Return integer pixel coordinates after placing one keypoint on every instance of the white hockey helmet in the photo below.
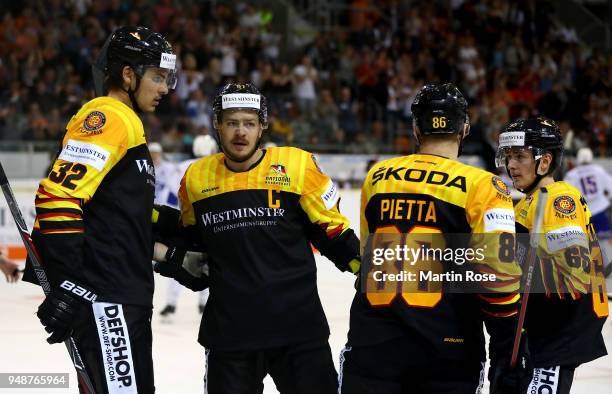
(584, 156)
(204, 145)
(155, 147)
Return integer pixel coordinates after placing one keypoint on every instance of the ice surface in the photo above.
(178, 358)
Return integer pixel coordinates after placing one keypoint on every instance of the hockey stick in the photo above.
(84, 380)
(534, 240)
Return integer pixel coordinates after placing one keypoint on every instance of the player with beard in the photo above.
(256, 212)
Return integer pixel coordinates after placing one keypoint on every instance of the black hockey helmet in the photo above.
(440, 109)
(538, 135)
(240, 96)
(138, 47)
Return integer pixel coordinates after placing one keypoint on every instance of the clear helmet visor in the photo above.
(522, 154)
(169, 77)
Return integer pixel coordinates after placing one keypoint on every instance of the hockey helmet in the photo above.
(584, 156)
(440, 109)
(538, 135)
(204, 145)
(240, 96)
(138, 47)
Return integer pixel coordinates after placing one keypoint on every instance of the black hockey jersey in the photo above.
(256, 227)
(93, 211)
(466, 207)
(568, 304)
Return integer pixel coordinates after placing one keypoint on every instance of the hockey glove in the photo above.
(63, 309)
(508, 380)
(187, 267)
(165, 221)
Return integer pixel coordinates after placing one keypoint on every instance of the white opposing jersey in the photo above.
(594, 183)
(166, 186)
(172, 182)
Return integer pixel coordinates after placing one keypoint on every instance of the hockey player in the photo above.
(596, 186)
(568, 307)
(413, 339)
(93, 218)
(166, 193)
(255, 212)
(165, 176)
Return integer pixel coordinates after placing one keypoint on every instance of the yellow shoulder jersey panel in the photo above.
(96, 139)
(570, 257)
(258, 227)
(470, 189)
(101, 184)
(417, 204)
(564, 207)
(568, 305)
(282, 169)
(433, 194)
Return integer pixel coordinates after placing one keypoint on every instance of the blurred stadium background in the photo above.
(340, 77)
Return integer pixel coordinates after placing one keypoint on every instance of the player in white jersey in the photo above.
(203, 145)
(165, 175)
(595, 184)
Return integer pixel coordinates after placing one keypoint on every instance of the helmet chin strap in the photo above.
(463, 133)
(132, 95)
(461, 138)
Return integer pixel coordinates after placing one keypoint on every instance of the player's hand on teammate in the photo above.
(63, 309)
(187, 267)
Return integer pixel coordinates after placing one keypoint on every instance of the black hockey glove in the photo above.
(63, 309)
(165, 221)
(508, 380)
(187, 267)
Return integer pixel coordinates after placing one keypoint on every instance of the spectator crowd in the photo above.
(349, 90)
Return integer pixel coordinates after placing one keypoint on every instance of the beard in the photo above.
(237, 159)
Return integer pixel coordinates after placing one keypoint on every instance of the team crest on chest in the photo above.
(277, 175)
(565, 205)
(500, 186)
(94, 122)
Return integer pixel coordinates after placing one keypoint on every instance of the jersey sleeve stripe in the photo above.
(503, 299)
(62, 231)
(499, 314)
(573, 291)
(65, 224)
(58, 215)
(58, 205)
(61, 211)
(53, 197)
